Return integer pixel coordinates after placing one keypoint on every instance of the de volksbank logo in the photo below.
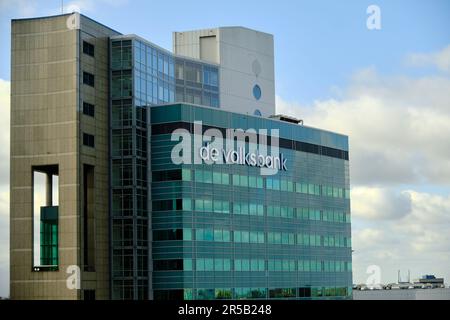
(241, 147)
(244, 158)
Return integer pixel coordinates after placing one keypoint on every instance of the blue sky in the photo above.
(388, 89)
(317, 43)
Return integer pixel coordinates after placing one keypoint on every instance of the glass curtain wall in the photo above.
(142, 75)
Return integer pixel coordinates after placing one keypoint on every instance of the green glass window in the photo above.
(236, 180)
(198, 175)
(254, 265)
(187, 204)
(199, 234)
(217, 178)
(187, 234)
(237, 236)
(329, 191)
(300, 265)
(200, 265)
(218, 264)
(245, 236)
(207, 204)
(277, 237)
(236, 208)
(208, 235)
(290, 212)
(252, 182)
(199, 205)
(225, 207)
(283, 185)
(260, 210)
(335, 192)
(226, 265)
(207, 176)
(253, 237)
(276, 184)
(253, 207)
(49, 236)
(244, 181)
(209, 264)
(310, 188)
(304, 188)
(284, 212)
(259, 182)
(218, 235)
(188, 294)
(290, 186)
(260, 237)
(225, 178)
(187, 264)
(245, 265)
(276, 211)
(226, 236)
(186, 174)
(217, 206)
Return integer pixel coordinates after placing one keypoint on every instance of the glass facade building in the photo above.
(135, 223)
(142, 75)
(225, 231)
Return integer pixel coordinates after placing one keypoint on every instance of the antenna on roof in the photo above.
(62, 6)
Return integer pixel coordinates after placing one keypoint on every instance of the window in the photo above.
(88, 109)
(88, 78)
(49, 236)
(257, 92)
(168, 205)
(169, 175)
(165, 265)
(88, 48)
(172, 234)
(88, 140)
(89, 295)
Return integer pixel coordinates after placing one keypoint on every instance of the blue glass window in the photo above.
(257, 92)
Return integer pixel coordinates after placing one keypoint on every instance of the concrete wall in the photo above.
(403, 294)
(46, 129)
(96, 278)
(246, 58)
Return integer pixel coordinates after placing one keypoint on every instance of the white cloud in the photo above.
(418, 239)
(399, 131)
(4, 136)
(379, 203)
(440, 60)
(86, 6)
(417, 214)
(398, 127)
(4, 187)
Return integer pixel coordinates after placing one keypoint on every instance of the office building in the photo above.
(94, 111)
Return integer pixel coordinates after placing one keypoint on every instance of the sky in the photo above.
(387, 89)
